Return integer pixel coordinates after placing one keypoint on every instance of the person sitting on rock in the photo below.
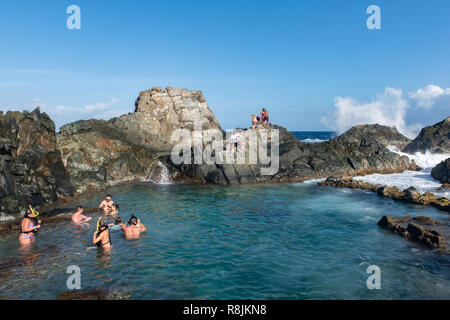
(254, 121)
(133, 228)
(107, 206)
(78, 217)
(30, 225)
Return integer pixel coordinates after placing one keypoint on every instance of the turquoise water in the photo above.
(289, 241)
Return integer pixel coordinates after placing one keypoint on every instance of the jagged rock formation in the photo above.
(411, 194)
(158, 113)
(442, 171)
(360, 150)
(417, 229)
(31, 169)
(97, 155)
(435, 139)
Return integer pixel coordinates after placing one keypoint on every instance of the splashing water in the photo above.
(421, 180)
(424, 160)
(160, 174)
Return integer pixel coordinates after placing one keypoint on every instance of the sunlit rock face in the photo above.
(158, 113)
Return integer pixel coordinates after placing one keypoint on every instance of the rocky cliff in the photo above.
(360, 150)
(31, 168)
(435, 139)
(158, 113)
(97, 155)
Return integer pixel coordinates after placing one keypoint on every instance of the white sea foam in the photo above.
(313, 140)
(421, 180)
(424, 160)
(312, 181)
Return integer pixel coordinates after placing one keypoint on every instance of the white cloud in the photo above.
(85, 110)
(427, 97)
(389, 109)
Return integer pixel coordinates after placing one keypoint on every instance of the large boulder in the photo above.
(158, 113)
(435, 139)
(442, 171)
(97, 155)
(31, 168)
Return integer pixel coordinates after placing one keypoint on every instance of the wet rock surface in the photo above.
(424, 230)
(435, 139)
(410, 194)
(31, 167)
(442, 172)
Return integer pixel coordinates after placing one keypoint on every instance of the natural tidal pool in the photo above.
(286, 241)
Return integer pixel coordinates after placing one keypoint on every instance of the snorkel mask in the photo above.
(35, 213)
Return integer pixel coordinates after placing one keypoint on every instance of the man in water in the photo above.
(30, 225)
(133, 228)
(78, 216)
(107, 206)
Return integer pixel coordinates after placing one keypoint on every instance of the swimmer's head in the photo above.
(133, 220)
(108, 197)
(79, 208)
(118, 220)
(102, 225)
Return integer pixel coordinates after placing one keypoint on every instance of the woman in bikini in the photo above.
(102, 237)
(30, 225)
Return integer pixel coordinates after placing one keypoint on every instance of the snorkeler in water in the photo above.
(133, 228)
(101, 237)
(30, 226)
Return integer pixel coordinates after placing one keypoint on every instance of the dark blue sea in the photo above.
(314, 136)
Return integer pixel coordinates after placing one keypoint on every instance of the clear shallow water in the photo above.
(289, 241)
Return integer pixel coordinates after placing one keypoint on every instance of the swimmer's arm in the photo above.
(96, 239)
(143, 228)
(84, 218)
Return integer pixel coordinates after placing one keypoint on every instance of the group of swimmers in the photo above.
(260, 120)
(132, 229)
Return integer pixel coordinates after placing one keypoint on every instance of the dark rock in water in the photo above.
(31, 168)
(435, 139)
(360, 150)
(442, 171)
(417, 231)
(94, 294)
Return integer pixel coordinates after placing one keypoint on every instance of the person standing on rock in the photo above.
(265, 117)
(78, 216)
(107, 206)
(30, 225)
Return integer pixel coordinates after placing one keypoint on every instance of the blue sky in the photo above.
(314, 64)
